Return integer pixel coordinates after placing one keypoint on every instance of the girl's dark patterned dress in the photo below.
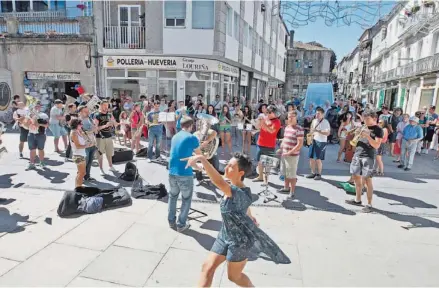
(239, 238)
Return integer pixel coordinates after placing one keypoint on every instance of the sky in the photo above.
(342, 39)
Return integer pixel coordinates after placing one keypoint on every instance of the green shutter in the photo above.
(381, 99)
(402, 98)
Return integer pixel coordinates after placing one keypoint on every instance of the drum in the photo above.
(268, 161)
(248, 127)
(240, 126)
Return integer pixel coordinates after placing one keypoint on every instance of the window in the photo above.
(40, 5)
(175, 13)
(245, 40)
(383, 33)
(281, 35)
(22, 6)
(229, 21)
(203, 14)
(419, 52)
(250, 37)
(261, 43)
(6, 6)
(236, 23)
(257, 50)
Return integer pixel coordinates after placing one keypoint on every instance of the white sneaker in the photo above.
(148, 160)
(102, 172)
(112, 169)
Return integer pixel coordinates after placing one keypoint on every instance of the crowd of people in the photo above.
(279, 130)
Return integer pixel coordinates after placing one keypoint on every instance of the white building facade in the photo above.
(178, 48)
(404, 62)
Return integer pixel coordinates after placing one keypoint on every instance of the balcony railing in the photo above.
(419, 67)
(35, 14)
(124, 37)
(61, 26)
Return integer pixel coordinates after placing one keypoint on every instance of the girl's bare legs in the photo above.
(340, 151)
(243, 141)
(80, 175)
(223, 142)
(208, 269)
(380, 164)
(234, 272)
(229, 142)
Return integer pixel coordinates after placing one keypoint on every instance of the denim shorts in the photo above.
(225, 129)
(36, 141)
(232, 252)
(317, 150)
(265, 151)
(57, 130)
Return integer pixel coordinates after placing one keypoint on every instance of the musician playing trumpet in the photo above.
(20, 116)
(363, 161)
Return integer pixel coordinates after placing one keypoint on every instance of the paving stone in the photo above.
(262, 280)
(87, 282)
(185, 273)
(148, 238)
(123, 266)
(6, 265)
(56, 265)
(22, 245)
(96, 233)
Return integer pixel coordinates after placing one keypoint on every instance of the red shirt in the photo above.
(267, 139)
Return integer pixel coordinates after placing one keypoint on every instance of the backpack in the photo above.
(332, 117)
(131, 173)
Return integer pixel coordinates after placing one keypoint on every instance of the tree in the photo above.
(333, 61)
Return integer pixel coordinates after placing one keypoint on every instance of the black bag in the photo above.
(130, 174)
(149, 192)
(142, 152)
(122, 155)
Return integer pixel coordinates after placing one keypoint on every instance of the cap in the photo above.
(57, 101)
(414, 119)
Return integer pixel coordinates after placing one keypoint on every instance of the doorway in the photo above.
(129, 25)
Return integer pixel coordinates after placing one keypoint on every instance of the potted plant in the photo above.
(416, 8)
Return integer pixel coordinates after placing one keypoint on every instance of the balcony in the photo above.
(419, 67)
(35, 14)
(124, 37)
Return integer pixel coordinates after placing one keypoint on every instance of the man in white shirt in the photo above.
(20, 116)
(320, 129)
(217, 104)
(57, 127)
(37, 135)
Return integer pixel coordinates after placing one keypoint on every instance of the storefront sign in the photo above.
(170, 63)
(272, 84)
(244, 78)
(228, 70)
(53, 76)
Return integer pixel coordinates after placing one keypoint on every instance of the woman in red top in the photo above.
(137, 121)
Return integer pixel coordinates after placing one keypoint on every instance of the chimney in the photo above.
(291, 39)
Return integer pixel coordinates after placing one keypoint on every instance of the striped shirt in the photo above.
(290, 138)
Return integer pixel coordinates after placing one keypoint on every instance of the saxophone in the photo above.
(203, 132)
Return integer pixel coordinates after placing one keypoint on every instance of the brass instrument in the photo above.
(32, 115)
(92, 103)
(357, 134)
(310, 137)
(2, 130)
(202, 134)
(90, 138)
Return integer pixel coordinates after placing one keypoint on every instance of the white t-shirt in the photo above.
(322, 126)
(20, 113)
(43, 116)
(55, 111)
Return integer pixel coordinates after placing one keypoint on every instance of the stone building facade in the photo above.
(306, 63)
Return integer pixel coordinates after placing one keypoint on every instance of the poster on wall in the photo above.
(5, 103)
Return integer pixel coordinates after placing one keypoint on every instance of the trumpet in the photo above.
(357, 134)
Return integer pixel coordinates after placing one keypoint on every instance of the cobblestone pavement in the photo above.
(328, 242)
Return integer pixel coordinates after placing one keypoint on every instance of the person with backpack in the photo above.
(332, 117)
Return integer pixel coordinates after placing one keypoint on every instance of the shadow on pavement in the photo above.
(9, 222)
(213, 225)
(53, 175)
(308, 197)
(205, 240)
(6, 180)
(50, 162)
(415, 221)
(403, 200)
